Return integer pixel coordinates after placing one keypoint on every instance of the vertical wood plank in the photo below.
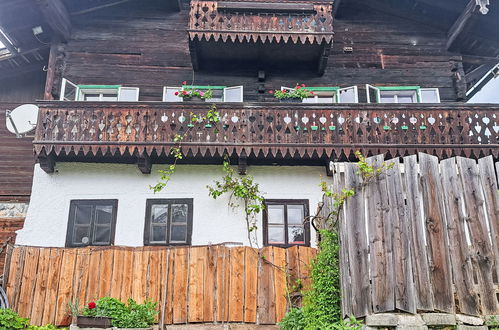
(170, 286)
(209, 284)
(357, 249)
(305, 257)
(405, 299)
(53, 285)
(154, 278)
(280, 283)
(27, 283)
(62, 316)
(138, 276)
(250, 284)
(16, 267)
(197, 262)
(419, 255)
(180, 288)
(440, 270)
(458, 246)
(481, 256)
(93, 275)
(80, 280)
(223, 278)
(117, 273)
(236, 293)
(163, 293)
(266, 290)
(346, 286)
(126, 288)
(106, 272)
(489, 183)
(40, 288)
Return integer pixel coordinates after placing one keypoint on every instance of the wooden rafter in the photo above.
(463, 24)
(56, 16)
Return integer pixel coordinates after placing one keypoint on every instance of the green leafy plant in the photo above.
(492, 322)
(370, 172)
(241, 189)
(189, 92)
(11, 320)
(131, 315)
(299, 92)
(294, 320)
(44, 327)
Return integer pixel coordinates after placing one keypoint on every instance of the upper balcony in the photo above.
(266, 35)
(260, 133)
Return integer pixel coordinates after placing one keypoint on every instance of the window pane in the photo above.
(109, 97)
(102, 235)
(405, 99)
(275, 213)
(387, 99)
(128, 94)
(276, 234)
(312, 99)
(295, 214)
(83, 214)
(325, 100)
(159, 213)
(103, 214)
(179, 212)
(429, 95)
(158, 234)
(296, 235)
(91, 97)
(81, 235)
(178, 234)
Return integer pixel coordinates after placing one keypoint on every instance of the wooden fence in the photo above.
(421, 237)
(196, 284)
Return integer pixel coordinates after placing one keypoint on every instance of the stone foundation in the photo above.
(401, 321)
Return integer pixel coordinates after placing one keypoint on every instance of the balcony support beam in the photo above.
(57, 17)
(47, 162)
(144, 163)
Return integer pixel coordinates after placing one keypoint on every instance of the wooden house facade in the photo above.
(388, 77)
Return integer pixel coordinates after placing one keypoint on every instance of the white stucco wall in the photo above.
(213, 221)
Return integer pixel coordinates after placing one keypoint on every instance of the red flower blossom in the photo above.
(298, 87)
(176, 93)
(271, 92)
(311, 92)
(184, 82)
(184, 93)
(91, 305)
(284, 90)
(302, 85)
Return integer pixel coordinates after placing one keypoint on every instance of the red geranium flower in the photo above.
(271, 92)
(176, 93)
(284, 90)
(302, 85)
(311, 92)
(184, 93)
(91, 305)
(184, 82)
(298, 87)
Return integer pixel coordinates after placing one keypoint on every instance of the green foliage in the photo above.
(44, 327)
(299, 92)
(132, 315)
(243, 189)
(493, 323)
(11, 320)
(190, 92)
(369, 172)
(294, 320)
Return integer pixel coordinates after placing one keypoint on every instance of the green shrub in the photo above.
(11, 320)
(45, 327)
(294, 320)
(132, 315)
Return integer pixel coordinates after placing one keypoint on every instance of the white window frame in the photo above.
(174, 89)
(355, 90)
(80, 92)
(101, 92)
(223, 99)
(241, 95)
(63, 90)
(436, 90)
(377, 91)
(136, 96)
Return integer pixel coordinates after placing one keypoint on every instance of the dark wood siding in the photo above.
(147, 47)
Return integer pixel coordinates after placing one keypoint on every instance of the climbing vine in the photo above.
(322, 303)
(242, 189)
(211, 118)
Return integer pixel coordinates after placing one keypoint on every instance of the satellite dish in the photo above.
(22, 119)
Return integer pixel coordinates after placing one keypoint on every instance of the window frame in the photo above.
(286, 202)
(94, 202)
(379, 89)
(147, 223)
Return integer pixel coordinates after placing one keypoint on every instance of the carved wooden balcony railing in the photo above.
(269, 131)
(310, 21)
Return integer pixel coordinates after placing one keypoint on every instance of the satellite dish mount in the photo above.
(22, 119)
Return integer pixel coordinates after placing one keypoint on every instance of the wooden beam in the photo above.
(336, 6)
(89, 10)
(462, 25)
(10, 47)
(49, 82)
(321, 66)
(144, 163)
(56, 16)
(242, 164)
(47, 162)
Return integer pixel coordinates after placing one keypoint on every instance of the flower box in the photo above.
(196, 99)
(93, 322)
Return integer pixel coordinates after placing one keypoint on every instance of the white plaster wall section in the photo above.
(213, 221)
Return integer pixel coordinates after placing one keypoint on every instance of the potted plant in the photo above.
(90, 318)
(193, 95)
(295, 95)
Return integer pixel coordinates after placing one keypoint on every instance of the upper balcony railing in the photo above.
(267, 130)
(264, 21)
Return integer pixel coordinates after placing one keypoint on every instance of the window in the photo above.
(402, 94)
(284, 223)
(91, 222)
(168, 222)
(220, 93)
(97, 93)
(330, 95)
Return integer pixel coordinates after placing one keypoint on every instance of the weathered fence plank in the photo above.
(440, 270)
(250, 285)
(405, 299)
(180, 288)
(380, 240)
(458, 247)
(481, 256)
(419, 255)
(490, 189)
(266, 293)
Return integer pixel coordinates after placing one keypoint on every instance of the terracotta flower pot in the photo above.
(93, 322)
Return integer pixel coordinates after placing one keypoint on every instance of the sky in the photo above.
(488, 94)
(1, 45)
